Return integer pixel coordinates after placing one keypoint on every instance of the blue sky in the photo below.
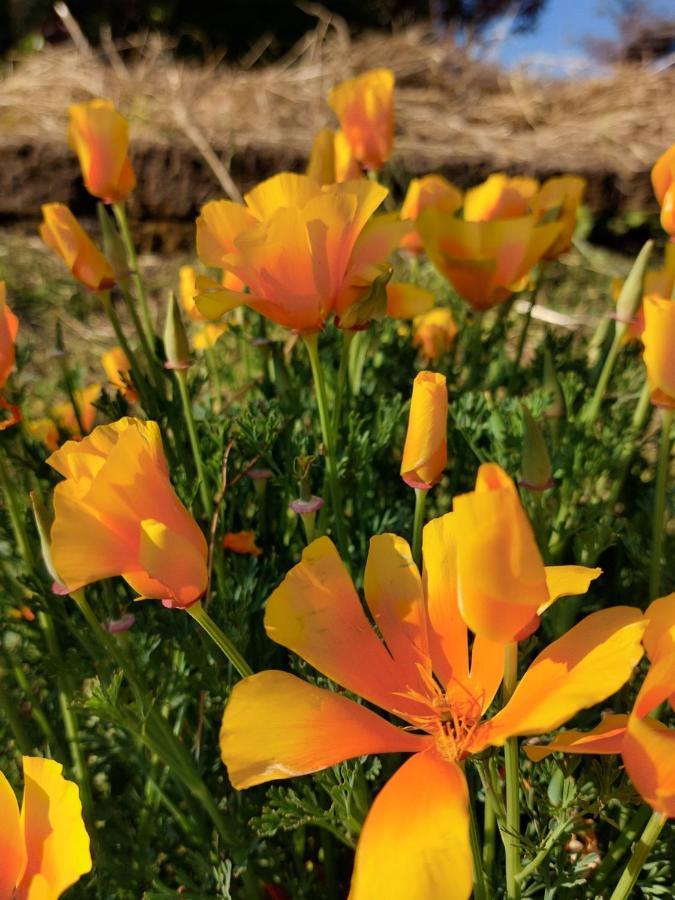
(556, 43)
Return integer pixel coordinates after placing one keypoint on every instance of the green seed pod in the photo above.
(176, 344)
(536, 463)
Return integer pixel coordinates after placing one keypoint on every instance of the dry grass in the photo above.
(449, 108)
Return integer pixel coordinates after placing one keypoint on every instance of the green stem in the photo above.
(479, 889)
(312, 345)
(528, 318)
(16, 519)
(512, 843)
(219, 637)
(13, 721)
(70, 390)
(643, 848)
(489, 835)
(214, 375)
(123, 223)
(146, 346)
(36, 710)
(616, 852)
(418, 524)
(591, 412)
(207, 500)
(662, 467)
(347, 338)
(549, 843)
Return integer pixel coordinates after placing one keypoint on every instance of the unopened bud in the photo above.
(630, 297)
(176, 344)
(43, 523)
(536, 463)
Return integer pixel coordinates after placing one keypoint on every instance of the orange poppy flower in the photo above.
(331, 158)
(425, 452)
(241, 542)
(118, 370)
(658, 338)
(100, 137)
(503, 583)
(435, 332)
(118, 514)
(415, 839)
(365, 109)
(65, 417)
(646, 745)
(9, 328)
(428, 192)
(207, 336)
(485, 261)
(559, 199)
(44, 430)
(62, 233)
(44, 849)
(304, 251)
(663, 182)
(500, 197)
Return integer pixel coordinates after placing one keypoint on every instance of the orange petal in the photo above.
(321, 164)
(501, 575)
(61, 232)
(57, 842)
(415, 841)
(605, 738)
(12, 849)
(658, 338)
(448, 637)
(406, 301)
(487, 669)
(659, 684)
(585, 666)
(663, 173)
(393, 590)
(174, 561)
(649, 757)
(277, 726)
(659, 638)
(500, 197)
(100, 137)
(567, 581)
(219, 224)
(364, 106)
(425, 452)
(316, 613)
(285, 190)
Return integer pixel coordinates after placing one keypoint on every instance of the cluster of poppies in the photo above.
(441, 625)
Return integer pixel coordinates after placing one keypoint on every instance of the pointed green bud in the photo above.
(113, 247)
(536, 463)
(176, 344)
(43, 521)
(556, 408)
(630, 297)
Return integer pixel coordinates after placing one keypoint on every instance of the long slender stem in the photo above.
(642, 850)
(528, 318)
(146, 345)
(512, 843)
(489, 835)
(347, 338)
(15, 517)
(207, 499)
(591, 412)
(662, 467)
(12, 719)
(418, 523)
(312, 345)
(479, 889)
(615, 853)
(219, 637)
(123, 223)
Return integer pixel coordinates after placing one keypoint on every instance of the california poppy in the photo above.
(365, 109)
(61, 232)
(100, 137)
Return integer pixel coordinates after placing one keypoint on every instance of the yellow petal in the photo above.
(12, 849)
(567, 581)
(658, 338)
(316, 613)
(425, 452)
(415, 841)
(659, 638)
(277, 726)
(100, 137)
(173, 560)
(585, 666)
(406, 301)
(57, 842)
(605, 738)
(364, 106)
(393, 590)
(649, 757)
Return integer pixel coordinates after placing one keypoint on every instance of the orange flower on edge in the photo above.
(646, 745)
(365, 109)
(504, 586)
(100, 137)
(435, 332)
(304, 251)
(44, 849)
(425, 452)
(658, 338)
(117, 513)
(9, 328)
(560, 198)
(428, 192)
(331, 158)
(663, 182)
(241, 542)
(63, 234)
(118, 369)
(500, 197)
(415, 841)
(485, 261)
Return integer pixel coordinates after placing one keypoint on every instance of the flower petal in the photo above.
(406, 301)
(649, 757)
(605, 738)
(415, 840)
(57, 842)
(448, 636)
(278, 726)
(567, 581)
(659, 638)
(393, 590)
(316, 613)
(12, 849)
(585, 666)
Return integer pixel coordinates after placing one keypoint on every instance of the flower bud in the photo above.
(176, 344)
(632, 291)
(425, 452)
(536, 462)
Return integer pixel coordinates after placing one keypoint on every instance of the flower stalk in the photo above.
(120, 213)
(512, 831)
(219, 638)
(207, 500)
(643, 848)
(661, 485)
